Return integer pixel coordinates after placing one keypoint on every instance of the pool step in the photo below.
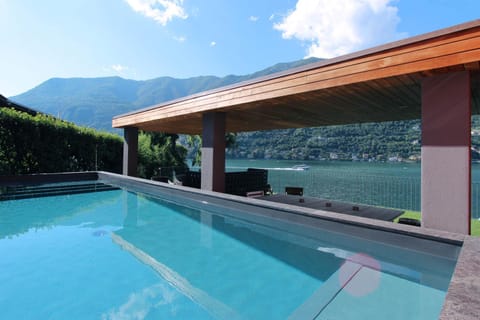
(25, 192)
(47, 188)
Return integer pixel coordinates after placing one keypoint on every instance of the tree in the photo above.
(194, 142)
(159, 154)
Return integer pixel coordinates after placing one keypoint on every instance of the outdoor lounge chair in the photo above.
(160, 179)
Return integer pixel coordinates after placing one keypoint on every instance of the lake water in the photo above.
(395, 185)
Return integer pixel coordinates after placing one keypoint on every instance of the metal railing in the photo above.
(476, 200)
(387, 191)
(401, 192)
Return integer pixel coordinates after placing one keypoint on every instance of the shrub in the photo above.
(42, 143)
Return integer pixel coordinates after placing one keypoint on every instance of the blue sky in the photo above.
(145, 39)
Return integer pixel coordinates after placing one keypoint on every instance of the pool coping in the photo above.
(463, 296)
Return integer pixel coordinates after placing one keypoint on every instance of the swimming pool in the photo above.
(139, 251)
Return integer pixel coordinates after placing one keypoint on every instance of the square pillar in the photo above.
(446, 182)
(130, 151)
(213, 152)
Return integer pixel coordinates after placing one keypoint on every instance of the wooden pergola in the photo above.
(435, 77)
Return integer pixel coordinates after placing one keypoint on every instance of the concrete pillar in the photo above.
(213, 152)
(130, 151)
(446, 183)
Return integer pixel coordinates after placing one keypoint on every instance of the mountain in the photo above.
(93, 102)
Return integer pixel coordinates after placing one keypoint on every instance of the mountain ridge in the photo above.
(93, 102)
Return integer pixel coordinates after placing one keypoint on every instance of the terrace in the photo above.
(434, 77)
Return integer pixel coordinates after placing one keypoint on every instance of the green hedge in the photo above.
(41, 143)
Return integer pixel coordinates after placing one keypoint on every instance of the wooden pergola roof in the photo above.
(379, 84)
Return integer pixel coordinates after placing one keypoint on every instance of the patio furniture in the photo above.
(410, 222)
(160, 178)
(255, 194)
(237, 183)
(296, 191)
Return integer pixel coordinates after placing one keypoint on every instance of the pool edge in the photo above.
(463, 295)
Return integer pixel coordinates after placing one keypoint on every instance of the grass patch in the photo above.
(475, 229)
(410, 215)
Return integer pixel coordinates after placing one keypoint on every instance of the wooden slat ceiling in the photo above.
(380, 84)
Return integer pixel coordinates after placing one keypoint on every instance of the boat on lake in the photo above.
(301, 167)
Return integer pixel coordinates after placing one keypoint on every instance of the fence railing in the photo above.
(394, 192)
(401, 192)
(476, 200)
(379, 190)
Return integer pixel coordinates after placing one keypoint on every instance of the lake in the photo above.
(395, 185)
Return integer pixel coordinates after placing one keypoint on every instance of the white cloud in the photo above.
(118, 67)
(253, 18)
(333, 28)
(213, 44)
(161, 11)
(148, 301)
(180, 39)
(272, 16)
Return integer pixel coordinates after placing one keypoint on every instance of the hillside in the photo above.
(94, 101)
(392, 141)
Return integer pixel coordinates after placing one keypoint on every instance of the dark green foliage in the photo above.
(230, 140)
(378, 141)
(159, 150)
(194, 144)
(41, 143)
(371, 140)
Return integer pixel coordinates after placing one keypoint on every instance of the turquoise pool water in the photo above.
(122, 255)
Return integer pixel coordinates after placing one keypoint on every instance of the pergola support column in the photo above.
(130, 151)
(446, 182)
(213, 152)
